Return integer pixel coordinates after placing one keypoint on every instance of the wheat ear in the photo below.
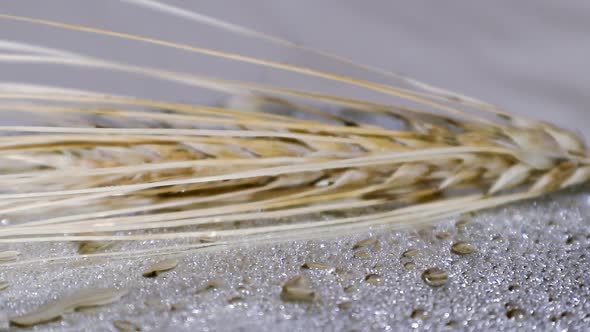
(102, 167)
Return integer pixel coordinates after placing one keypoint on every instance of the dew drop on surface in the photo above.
(461, 224)
(513, 288)
(349, 289)
(362, 254)
(435, 277)
(125, 326)
(452, 323)
(442, 235)
(235, 300)
(373, 279)
(409, 265)
(419, 313)
(344, 305)
(515, 313)
(407, 262)
(370, 242)
(463, 248)
(317, 266)
(410, 253)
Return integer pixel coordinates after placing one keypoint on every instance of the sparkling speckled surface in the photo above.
(531, 264)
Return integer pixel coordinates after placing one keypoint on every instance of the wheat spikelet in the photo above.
(103, 167)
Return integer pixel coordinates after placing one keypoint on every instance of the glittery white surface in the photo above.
(531, 258)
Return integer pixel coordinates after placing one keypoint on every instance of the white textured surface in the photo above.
(532, 256)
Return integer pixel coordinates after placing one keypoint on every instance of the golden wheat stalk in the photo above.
(104, 167)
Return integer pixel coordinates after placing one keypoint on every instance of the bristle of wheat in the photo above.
(103, 167)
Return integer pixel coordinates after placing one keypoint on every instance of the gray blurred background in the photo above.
(529, 56)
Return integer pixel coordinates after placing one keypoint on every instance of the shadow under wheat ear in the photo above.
(108, 168)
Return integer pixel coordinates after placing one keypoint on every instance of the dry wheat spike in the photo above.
(104, 168)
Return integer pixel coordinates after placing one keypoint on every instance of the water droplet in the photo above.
(349, 289)
(211, 285)
(297, 289)
(181, 305)
(373, 279)
(361, 254)
(370, 242)
(461, 224)
(317, 266)
(571, 239)
(235, 300)
(463, 248)
(515, 313)
(125, 326)
(435, 277)
(409, 265)
(407, 262)
(378, 266)
(344, 305)
(419, 313)
(411, 253)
